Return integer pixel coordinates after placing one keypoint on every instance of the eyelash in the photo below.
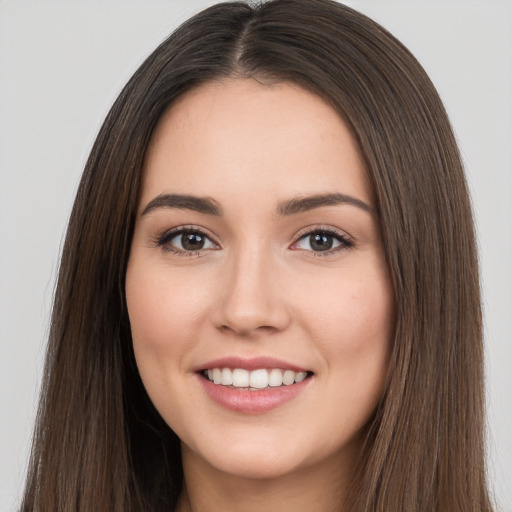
(345, 242)
(163, 241)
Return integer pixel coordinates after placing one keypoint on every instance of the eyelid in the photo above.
(322, 228)
(162, 239)
(346, 241)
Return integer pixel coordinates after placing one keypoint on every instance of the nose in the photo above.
(252, 299)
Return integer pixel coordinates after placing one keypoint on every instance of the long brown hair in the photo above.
(100, 445)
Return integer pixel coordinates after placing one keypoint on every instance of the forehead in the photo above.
(239, 135)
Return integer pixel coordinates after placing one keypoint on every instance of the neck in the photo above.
(311, 489)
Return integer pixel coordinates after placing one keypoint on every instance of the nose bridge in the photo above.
(251, 297)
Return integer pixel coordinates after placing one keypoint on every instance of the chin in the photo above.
(257, 461)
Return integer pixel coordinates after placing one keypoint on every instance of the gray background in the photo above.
(62, 63)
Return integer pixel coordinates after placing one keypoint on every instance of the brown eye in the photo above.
(322, 241)
(185, 240)
(192, 241)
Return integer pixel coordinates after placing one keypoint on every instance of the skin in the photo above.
(259, 289)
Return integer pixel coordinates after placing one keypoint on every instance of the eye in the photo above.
(325, 241)
(185, 240)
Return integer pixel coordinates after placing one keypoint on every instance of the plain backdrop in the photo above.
(62, 63)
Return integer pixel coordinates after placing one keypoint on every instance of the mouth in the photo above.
(253, 386)
(254, 380)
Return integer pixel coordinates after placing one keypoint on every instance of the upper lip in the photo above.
(254, 363)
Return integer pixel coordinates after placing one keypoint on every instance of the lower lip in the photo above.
(252, 402)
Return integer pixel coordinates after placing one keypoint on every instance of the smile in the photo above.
(253, 386)
(254, 380)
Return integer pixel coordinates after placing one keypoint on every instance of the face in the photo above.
(257, 287)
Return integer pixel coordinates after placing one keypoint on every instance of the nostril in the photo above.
(246, 331)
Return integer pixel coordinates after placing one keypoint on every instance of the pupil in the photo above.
(192, 241)
(321, 242)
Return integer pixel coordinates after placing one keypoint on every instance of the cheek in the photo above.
(166, 312)
(358, 311)
(352, 325)
(162, 307)
(355, 337)
(165, 315)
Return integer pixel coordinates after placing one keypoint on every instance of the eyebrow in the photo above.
(290, 207)
(304, 204)
(184, 202)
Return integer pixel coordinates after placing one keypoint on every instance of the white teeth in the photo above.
(288, 377)
(226, 378)
(300, 376)
(240, 378)
(256, 379)
(275, 378)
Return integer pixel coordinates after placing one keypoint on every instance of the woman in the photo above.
(273, 227)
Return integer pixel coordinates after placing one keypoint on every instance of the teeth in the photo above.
(300, 376)
(226, 377)
(240, 378)
(256, 379)
(288, 377)
(275, 378)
